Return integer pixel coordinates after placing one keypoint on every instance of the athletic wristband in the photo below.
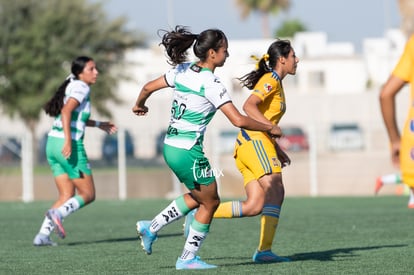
(97, 123)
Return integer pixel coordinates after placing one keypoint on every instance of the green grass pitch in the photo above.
(358, 235)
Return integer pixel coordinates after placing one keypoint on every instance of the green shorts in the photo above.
(75, 166)
(190, 166)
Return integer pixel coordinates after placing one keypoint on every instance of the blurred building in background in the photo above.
(333, 84)
(332, 101)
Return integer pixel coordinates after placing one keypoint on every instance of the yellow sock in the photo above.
(268, 225)
(229, 209)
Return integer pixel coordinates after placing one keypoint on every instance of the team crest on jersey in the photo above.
(267, 87)
(275, 162)
(412, 125)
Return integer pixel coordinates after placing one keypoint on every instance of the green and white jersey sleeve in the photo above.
(80, 91)
(198, 93)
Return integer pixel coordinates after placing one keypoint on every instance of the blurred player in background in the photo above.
(402, 146)
(71, 108)
(393, 179)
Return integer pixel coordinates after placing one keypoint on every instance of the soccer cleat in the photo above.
(188, 220)
(268, 256)
(378, 185)
(194, 263)
(54, 216)
(43, 240)
(147, 238)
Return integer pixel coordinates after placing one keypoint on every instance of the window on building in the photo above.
(316, 79)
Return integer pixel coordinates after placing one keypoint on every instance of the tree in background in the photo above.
(264, 8)
(39, 39)
(290, 27)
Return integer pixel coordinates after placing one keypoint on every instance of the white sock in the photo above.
(391, 179)
(47, 227)
(168, 215)
(411, 200)
(193, 243)
(70, 206)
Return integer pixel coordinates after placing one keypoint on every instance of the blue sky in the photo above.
(343, 20)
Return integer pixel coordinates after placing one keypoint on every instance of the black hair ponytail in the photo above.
(55, 104)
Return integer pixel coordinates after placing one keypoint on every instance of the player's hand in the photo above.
(275, 131)
(67, 149)
(140, 110)
(108, 127)
(282, 156)
(395, 154)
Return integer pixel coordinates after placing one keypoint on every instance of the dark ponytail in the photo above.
(266, 64)
(179, 40)
(55, 104)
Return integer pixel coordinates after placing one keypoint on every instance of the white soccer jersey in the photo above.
(198, 93)
(78, 90)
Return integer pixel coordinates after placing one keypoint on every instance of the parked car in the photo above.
(293, 139)
(346, 136)
(42, 148)
(159, 142)
(10, 149)
(110, 146)
(228, 140)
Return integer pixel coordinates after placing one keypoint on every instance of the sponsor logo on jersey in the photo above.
(224, 91)
(195, 68)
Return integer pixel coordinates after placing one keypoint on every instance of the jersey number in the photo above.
(177, 110)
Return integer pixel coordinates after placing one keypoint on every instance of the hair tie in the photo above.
(255, 58)
(71, 77)
(265, 57)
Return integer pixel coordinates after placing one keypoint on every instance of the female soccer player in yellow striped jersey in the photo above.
(258, 156)
(402, 147)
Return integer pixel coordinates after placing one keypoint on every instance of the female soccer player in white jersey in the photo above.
(197, 95)
(65, 152)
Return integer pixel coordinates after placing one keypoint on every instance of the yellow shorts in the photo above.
(407, 154)
(256, 158)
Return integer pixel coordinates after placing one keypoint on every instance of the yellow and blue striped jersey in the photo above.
(270, 90)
